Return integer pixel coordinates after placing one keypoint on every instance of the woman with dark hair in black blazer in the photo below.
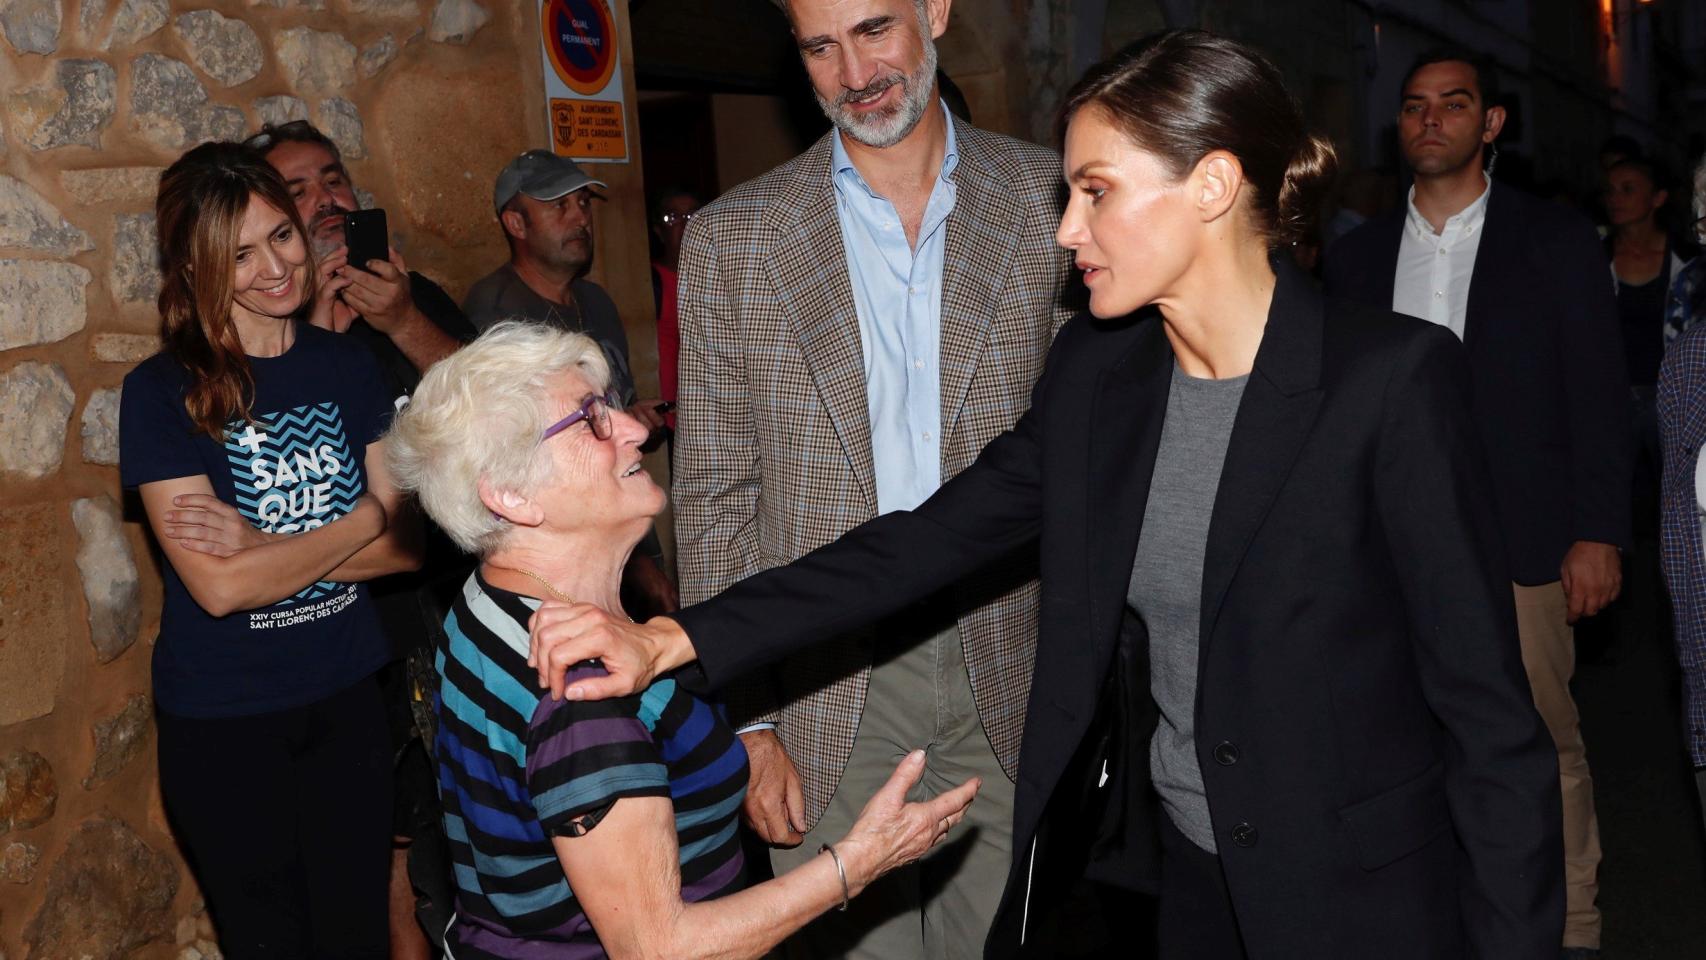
(1278, 680)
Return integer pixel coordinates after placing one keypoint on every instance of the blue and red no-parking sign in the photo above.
(580, 40)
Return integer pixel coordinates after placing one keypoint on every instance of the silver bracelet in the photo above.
(840, 870)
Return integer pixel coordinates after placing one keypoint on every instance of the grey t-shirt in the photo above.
(1166, 583)
(502, 295)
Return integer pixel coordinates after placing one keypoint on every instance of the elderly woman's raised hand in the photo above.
(891, 832)
(634, 654)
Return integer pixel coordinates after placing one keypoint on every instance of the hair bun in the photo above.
(1304, 189)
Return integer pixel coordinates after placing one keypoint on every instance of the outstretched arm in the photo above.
(876, 569)
(626, 874)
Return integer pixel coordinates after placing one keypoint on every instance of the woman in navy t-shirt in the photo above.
(253, 441)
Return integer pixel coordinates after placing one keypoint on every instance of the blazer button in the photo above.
(1226, 753)
(1244, 835)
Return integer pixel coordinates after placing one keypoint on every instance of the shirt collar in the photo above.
(1469, 218)
(844, 170)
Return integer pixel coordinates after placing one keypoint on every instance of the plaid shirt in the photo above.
(1682, 429)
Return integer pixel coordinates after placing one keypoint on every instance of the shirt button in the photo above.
(926, 436)
(917, 364)
(1438, 294)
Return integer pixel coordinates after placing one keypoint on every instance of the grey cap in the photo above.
(541, 175)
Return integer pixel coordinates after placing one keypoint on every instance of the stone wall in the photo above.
(428, 99)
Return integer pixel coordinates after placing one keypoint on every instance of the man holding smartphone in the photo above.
(409, 321)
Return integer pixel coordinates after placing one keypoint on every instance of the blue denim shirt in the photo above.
(897, 292)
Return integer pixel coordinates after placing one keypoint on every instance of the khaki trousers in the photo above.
(1549, 655)
(942, 906)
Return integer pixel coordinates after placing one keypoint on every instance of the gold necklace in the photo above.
(558, 594)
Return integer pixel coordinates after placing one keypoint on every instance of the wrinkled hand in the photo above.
(381, 297)
(634, 654)
(774, 808)
(207, 524)
(1593, 577)
(330, 310)
(891, 832)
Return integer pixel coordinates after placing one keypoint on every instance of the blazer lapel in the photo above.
(1125, 432)
(1274, 418)
(808, 272)
(982, 239)
(1493, 259)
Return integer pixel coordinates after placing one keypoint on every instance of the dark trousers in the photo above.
(1196, 919)
(286, 818)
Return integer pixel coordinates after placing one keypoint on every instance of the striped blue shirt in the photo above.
(517, 768)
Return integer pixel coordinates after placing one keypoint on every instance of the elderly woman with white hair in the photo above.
(1681, 405)
(607, 828)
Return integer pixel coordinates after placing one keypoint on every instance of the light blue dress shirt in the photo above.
(898, 294)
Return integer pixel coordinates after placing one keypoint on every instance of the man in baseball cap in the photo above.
(544, 204)
(542, 175)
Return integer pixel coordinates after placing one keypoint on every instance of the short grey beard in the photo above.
(887, 131)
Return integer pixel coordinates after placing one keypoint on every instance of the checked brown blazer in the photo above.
(773, 446)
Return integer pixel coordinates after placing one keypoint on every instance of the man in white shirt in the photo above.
(1522, 283)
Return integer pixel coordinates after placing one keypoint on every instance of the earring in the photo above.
(1492, 157)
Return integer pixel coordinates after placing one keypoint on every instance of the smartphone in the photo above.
(366, 237)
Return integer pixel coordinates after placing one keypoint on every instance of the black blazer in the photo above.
(1379, 781)
(1546, 358)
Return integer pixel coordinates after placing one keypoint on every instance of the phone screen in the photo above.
(366, 237)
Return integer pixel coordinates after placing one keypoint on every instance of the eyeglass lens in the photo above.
(598, 414)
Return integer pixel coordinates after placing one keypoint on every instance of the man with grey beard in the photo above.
(855, 326)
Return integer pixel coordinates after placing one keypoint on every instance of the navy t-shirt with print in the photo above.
(296, 465)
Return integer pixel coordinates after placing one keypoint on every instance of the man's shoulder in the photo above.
(1026, 164)
(1362, 237)
(1541, 219)
(438, 306)
(752, 199)
(1690, 345)
(592, 296)
(488, 286)
(500, 295)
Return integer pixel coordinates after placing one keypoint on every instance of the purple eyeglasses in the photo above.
(595, 411)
